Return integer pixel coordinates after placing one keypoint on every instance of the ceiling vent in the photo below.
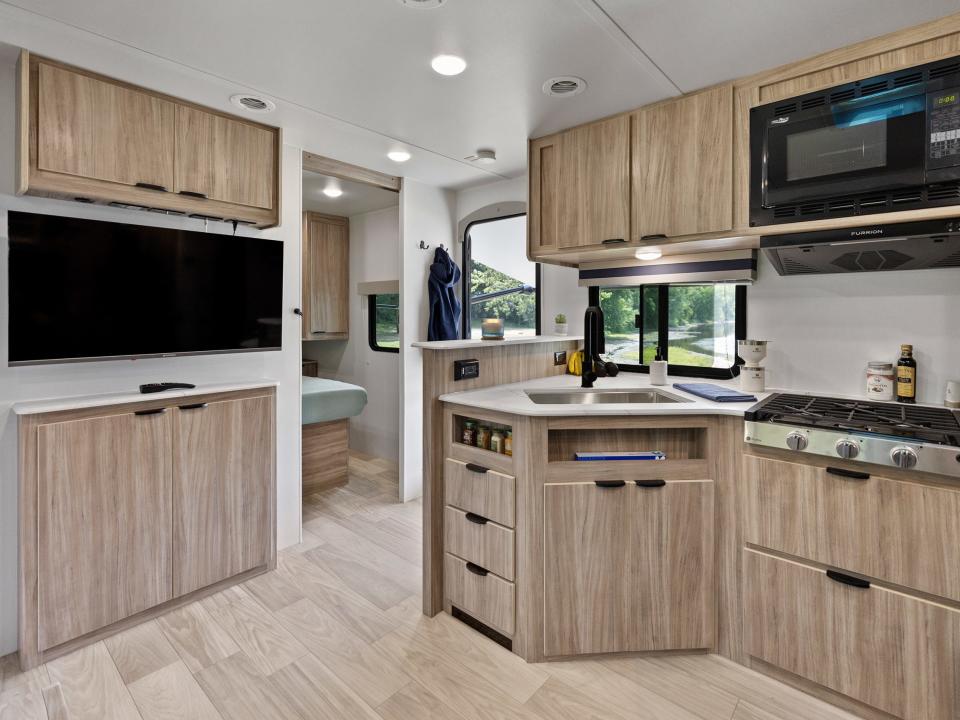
(252, 103)
(566, 86)
(422, 4)
(483, 157)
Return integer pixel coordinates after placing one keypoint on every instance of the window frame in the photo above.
(466, 261)
(372, 323)
(663, 330)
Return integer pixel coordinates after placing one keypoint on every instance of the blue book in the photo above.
(716, 393)
(636, 455)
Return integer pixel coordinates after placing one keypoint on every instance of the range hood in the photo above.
(873, 248)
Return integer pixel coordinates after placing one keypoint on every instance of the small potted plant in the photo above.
(560, 324)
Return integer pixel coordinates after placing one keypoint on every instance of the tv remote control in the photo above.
(161, 386)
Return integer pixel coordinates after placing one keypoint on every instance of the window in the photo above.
(697, 326)
(384, 330)
(498, 279)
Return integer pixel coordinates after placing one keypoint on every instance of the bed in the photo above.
(327, 406)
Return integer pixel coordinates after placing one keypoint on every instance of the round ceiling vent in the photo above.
(566, 86)
(422, 4)
(252, 103)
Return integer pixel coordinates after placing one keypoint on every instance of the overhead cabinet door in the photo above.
(100, 130)
(104, 517)
(326, 275)
(223, 159)
(683, 165)
(594, 184)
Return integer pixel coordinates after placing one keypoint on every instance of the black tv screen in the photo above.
(82, 289)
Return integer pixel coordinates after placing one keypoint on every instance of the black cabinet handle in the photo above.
(651, 483)
(609, 483)
(477, 570)
(151, 186)
(653, 236)
(191, 193)
(195, 406)
(155, 411)
(473, 467)
(477, 519)
(848, 579)
(852, 474)
(612, 241)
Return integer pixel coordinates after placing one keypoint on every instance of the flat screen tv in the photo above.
(88, 289)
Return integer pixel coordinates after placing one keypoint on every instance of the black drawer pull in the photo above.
(609, 483)
(651, 483)
(852, 474)
(477, 570)
(848, 579)
(155, 411)
(612, 241)
(195, 406)
(191, 193)
(151, 186)
(653, 236)
(477, 519)
(473, 467)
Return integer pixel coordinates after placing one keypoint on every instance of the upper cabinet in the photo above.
(87, 137)
(326, 276)
(683, 166)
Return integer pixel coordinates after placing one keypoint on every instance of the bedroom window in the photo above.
(384, 328)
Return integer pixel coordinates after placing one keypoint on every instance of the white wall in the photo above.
(559, 291)
(374, 255)
(427, 214)
(824, 329)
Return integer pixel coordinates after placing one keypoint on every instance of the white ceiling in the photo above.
(357, 197)
(366, 62)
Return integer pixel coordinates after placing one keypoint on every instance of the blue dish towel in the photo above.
(715, 392)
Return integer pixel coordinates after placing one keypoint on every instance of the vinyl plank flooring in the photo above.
(394, 537)
(318, 694)
(415, 702)
(383, 578)
(746, 711)
(92, 686)
(260, 636)
(197, 638)
(224, 598)
(240, 692)
(141, 650)
(559, 701)
(172, 693)
(22, 703)
(369, 672)
(55, 703)
(273, 590)
(13, 677)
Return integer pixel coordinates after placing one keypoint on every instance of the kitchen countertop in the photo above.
(512, 399)
(524, 340)
(35, 407)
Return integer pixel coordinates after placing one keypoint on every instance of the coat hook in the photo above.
(424, 246)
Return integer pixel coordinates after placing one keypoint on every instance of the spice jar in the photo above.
(496, 441)
(881, 380)
(469, 435)
(508, 443)
(483, 437)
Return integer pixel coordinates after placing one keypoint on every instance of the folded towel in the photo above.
(715, 392)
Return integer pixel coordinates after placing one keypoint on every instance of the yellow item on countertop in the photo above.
(575, 363)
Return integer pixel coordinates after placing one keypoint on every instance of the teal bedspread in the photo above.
(325, 400)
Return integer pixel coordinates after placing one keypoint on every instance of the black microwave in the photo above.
(887, 143)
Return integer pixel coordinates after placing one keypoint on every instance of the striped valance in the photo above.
(738, 266)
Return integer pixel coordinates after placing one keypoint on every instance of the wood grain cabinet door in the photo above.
(104, 511)
(586, 562)
(683, 165)
(326, 275)
(594, 184)
(105, 131)
(222, 490)
(542, 228)
(224, 159)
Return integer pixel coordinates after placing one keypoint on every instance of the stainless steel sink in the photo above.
(602, 397)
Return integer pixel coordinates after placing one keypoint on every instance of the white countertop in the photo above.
(527, 339)
(512, 399)
(35, 407)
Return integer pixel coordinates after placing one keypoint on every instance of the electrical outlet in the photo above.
(560, 357)
(466, 369)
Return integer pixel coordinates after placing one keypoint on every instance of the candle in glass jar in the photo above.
(492, 329)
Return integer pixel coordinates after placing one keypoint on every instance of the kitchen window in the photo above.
(384, 323)
(498, 279)
(697, 326)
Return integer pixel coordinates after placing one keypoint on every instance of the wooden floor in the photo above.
(336, 632)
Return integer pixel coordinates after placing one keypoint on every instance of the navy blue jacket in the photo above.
(444, 303)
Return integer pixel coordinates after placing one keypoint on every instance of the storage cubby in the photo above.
(675, 443)
(460, 420)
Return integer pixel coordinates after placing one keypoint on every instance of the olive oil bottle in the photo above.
(906, 375)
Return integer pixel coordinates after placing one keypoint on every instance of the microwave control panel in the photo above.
(943, 123)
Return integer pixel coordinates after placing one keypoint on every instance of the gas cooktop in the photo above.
(894, 434)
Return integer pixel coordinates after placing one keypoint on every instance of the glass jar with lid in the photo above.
(881, 380)
(496, 441)
(469, 434)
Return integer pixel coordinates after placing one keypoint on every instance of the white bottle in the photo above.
(658, 370)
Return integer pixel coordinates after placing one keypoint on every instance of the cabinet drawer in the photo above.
(886, 649)
(898, 531)
(488, 598)
(477, 489)
(478, 540)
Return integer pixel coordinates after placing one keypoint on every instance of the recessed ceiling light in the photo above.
(448, 64)
(564, 86)
(398, 155)
(253, 103)
(332, 191)
(648, 253)
(483, 157)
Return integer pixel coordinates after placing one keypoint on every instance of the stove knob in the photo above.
(797, 441)
(847, 449)
(904, 457)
